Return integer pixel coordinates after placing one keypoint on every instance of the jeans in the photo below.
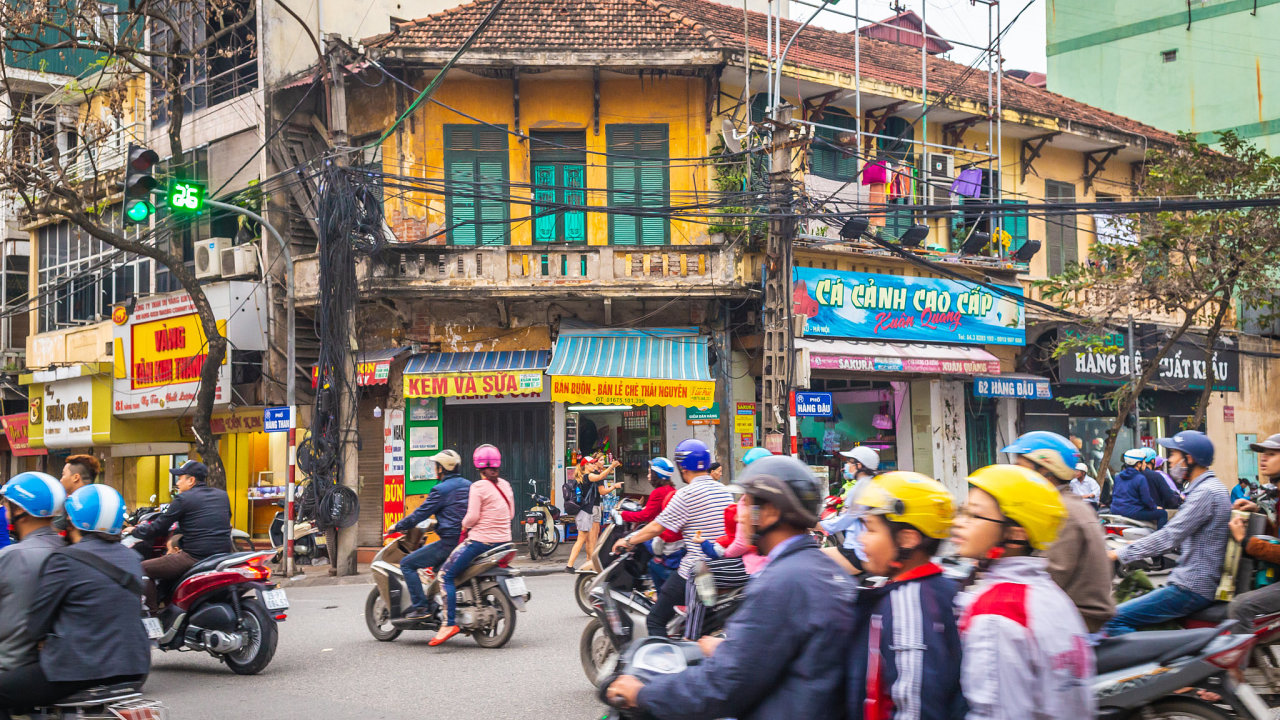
(1157, 516)
(457, 563)
(1263, 601)
(671, 595)
(1167, 603)
(427, 556)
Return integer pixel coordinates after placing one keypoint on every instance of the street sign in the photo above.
(703, 416)
(1027, 388)
(813, 404)
(278, 419)
(185, 195)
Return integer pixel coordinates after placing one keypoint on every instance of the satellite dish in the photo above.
(730, 134)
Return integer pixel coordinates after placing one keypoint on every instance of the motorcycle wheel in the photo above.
(260, 642)
(546, 540)
(580, 593)
(505, 627)
(1182, 710)
(599, 658)
(377, 617)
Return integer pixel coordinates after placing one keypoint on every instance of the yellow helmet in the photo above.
(1025, 497)
(910, 498)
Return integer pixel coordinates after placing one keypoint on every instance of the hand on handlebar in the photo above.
(624, 692)
(1243, 504)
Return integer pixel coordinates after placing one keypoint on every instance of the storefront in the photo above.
(899, 356)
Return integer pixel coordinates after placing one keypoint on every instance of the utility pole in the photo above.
(779, 342)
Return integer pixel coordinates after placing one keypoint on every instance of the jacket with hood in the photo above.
(1026, 651)
(447, 501)
(1132, 493)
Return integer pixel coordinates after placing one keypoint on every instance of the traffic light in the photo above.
(138, 184)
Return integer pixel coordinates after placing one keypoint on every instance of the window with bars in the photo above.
(826, 159)
(477, 168)
(1060, 230)
(559, 165)
(225, 68)
(639, 178)
(79, 278)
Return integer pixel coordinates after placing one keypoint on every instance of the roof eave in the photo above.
(639, 58)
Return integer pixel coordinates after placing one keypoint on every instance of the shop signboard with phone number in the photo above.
(632, 391)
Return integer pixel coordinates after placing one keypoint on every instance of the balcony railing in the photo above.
(105, 153)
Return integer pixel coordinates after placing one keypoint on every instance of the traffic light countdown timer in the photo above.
(185, 196)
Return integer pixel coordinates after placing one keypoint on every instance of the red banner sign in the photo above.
(15, 429)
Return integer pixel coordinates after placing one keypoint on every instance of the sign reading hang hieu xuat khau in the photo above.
(893, 307)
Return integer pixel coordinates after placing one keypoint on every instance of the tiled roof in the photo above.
(584, 25)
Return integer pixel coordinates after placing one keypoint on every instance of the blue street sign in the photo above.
(813, 404)
(1027, 388)
(277, 419)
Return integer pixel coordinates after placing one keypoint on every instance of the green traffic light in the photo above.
(139, 210)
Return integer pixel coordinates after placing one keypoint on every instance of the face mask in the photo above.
(1178, 472)
(848, 473)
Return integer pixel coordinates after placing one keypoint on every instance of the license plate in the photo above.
(275, 599)
(1249, 698)
(153, 627)
(515, 586)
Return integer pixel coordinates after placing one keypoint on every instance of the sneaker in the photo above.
(418, 613)
(569, 569)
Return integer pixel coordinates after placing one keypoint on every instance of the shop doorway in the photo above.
(980, 432)
(521, 431)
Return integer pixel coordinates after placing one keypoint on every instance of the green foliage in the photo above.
(732, 177)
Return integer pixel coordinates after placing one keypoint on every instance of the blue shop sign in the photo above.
(278, 419)
(813, 404)
(894, 307)
(1027, 388)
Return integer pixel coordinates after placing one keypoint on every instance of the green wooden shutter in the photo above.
(1014, 222)
(639, 177)
(494, 226)
(461, 211)
(544, 191)
(623, 183)
(898, 221)
(476, 184)
(575, 222)
(652, 180)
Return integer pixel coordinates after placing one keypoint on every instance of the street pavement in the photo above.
(327, 665)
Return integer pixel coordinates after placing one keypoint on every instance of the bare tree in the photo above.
(160, 45)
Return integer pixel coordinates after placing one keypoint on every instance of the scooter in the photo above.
(540, 525)
(241, 541)
(646, 659)
(613, 531)
(122, 700)
(309, 546)
(489, 593)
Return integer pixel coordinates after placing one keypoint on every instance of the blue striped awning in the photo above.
(650, 353)
(461, 362)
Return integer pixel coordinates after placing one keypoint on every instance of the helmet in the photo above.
(39, 494)
(1193, 443)
(447, 459)
(1134, 456)
(1025, 498)
(755, 454)
(1149, 454)
(1157, 461)
(911, 498)
(1271, 443)
(869, 458)
(1048, 450)
(693, 455)
(96, 508)
(662, 467)
(486, 456)
(787, 484)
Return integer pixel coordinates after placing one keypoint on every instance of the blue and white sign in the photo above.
(813, 404)
(278, 419)
(1027, 388)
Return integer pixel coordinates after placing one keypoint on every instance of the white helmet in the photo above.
(869, 458)
(1135, 456)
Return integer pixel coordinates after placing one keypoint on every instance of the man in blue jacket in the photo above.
(784, 652)
(447, 501)
(1132, 497)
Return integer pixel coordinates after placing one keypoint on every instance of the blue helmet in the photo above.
(755, 454)
(96, 508)
(662, 467)
(1193, 443)
(1049, 450)
(693, 455)
(1149, 454)
(39, 494)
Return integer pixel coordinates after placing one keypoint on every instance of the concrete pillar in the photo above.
(937, 407)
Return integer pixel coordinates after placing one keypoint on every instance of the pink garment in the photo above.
(876, 173)
(489, 512)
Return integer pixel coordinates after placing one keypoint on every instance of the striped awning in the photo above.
(650, 366)
(471, 374)
(373, 367)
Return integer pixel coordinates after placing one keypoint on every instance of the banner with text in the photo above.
(1184, 367)
(496, 382)
(632, 391)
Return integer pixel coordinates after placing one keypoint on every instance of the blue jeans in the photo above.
(1159, 517)
(427, 556)
(457, 563)
(1168, 603)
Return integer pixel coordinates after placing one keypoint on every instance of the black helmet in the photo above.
(787, 484)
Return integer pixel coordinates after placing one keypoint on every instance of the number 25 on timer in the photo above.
(186, 195)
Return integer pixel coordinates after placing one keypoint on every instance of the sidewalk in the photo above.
(318, 575)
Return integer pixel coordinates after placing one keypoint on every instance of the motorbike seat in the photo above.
(212, 562)
(102, 695)
(1135, 648)
(1215, 614)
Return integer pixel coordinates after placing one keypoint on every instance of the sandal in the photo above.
(442, 639)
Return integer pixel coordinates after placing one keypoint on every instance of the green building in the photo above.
(1199, 65)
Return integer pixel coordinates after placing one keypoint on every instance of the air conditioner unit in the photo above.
(209, 257)
(240, 260)
(940, 171)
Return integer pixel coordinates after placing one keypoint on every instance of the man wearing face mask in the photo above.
(861, 465)
(1265, 599)
(1200, 528)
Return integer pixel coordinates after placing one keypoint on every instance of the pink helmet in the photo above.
(486, 456)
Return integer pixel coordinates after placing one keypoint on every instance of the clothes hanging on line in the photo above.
(875, 173)
(969, 183)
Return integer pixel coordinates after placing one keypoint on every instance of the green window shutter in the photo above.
(461, 205)
(623, 183)
(494, 226)
(544, 191)
(575, 221)
(638, 177)
(1014, 222)
(898, 221)
(476, 164)
(652, 176)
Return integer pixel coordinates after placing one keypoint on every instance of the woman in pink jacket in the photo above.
(490, 507)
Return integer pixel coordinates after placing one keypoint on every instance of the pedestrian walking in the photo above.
(589, 477)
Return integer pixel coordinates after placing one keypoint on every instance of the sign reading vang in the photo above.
(278, 419)
(813, 404)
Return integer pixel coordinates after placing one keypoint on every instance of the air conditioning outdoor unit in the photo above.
(240, 260)
(940, 171)
(209, 257)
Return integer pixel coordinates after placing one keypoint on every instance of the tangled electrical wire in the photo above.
(349, 210)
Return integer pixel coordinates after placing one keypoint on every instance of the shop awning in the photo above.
(373, 367)
(863, 356)
(463, 374)
(651, 366)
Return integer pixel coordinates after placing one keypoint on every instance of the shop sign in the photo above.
(1228, 413)
(368, 372)
(497, 382)
(68, 413)
(744, 418)
(842, 304)
(1006, 387)
(903, 365)
(632, 391)
(16, 429)
(703, 416)
(392, 468)
(1184, 367)
(229, 422)
(278, 419)
(813, 404)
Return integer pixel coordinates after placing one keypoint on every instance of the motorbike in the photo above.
(489, 593)
(613, 531)
(1146, 674)
(646, 659)
(1121, 531)
(122, 700)
(540, 525)
(241, 541)
(309, 545)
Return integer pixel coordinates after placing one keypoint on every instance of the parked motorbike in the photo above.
(540, 525)
(489, 593)
(601, 555)
(122, 700)
(646, 659)
(309, 545)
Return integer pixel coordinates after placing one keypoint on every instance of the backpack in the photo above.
(570, 492)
